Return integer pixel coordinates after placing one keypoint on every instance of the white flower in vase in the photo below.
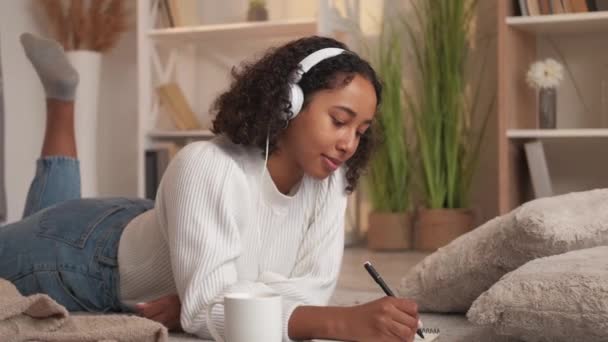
(545, 74)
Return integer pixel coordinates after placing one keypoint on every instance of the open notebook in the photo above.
(428, 337)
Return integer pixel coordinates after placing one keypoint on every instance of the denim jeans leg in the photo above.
(57, 179)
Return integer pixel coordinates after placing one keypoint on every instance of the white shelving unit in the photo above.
(573, 150)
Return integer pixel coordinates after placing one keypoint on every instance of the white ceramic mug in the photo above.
(249, 317)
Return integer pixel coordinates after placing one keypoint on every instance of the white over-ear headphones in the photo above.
(296, 93)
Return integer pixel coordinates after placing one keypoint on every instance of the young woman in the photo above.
(260, 207)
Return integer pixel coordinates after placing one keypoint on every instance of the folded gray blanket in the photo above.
(38, 317)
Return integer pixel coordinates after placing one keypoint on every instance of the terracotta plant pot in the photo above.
(389, 231)
(435, 228)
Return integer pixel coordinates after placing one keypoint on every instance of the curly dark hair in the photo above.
(258, 98)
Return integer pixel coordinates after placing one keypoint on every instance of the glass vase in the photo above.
(547, 108)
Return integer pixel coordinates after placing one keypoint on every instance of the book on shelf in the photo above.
(592, 5)
(545, 7)
(601, 5)
(177, 13)
(579, 6)
(523, 8)
(150, 174)
(539, 171)
(557, 6)
(163, 16)
(157, 158)
(178, 108)
(533, 7)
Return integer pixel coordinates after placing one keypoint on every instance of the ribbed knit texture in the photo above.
(219, 227)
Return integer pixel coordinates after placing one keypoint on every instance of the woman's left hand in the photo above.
(165, 310)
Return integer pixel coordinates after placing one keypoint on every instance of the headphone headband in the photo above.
(313, 59)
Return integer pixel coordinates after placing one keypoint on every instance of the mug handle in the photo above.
(216, 336)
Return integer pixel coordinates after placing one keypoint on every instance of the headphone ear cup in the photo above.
(297, 100)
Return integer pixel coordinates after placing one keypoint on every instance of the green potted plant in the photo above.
(257, 10)
(448, 143)
(389, 176)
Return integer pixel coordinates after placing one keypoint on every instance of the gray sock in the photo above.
(56, 73)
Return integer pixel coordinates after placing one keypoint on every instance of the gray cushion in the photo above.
(558, 298)
(450, 279)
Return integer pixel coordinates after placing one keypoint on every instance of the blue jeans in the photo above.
(66, 246)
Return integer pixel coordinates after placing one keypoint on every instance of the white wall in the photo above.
(25, 116)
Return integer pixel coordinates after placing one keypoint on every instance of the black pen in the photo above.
(378, 279)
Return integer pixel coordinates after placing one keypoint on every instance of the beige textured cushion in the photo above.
(450, 279)
(558, 298)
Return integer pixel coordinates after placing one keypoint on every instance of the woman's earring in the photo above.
(286, 124)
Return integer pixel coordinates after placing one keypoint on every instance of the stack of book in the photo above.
(176, 13)
(544, 7)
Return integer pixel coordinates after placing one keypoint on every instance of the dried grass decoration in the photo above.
(94, 25)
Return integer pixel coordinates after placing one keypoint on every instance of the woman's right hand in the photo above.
(386, 319)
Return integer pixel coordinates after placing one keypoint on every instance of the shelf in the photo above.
(561, 23)
(557, 133)
(229, 33)
(193, 134)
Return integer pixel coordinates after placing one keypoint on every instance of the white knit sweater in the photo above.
(218, 227)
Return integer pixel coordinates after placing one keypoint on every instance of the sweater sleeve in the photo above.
(315, 274)
(198, 207)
